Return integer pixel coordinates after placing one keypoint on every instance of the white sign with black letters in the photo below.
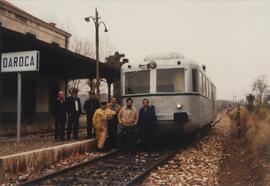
(20, 61)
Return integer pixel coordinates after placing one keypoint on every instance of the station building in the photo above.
(20, 31)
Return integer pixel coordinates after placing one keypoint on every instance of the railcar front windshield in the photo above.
(137, 82)
(171, 80)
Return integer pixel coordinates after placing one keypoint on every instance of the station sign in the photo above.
(20, 61)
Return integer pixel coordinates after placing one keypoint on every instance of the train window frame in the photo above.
(203, 85)
(180, 86)
(146, 81)
(195, 83)
(207, 88)
(200, 82)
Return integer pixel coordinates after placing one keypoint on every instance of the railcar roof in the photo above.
(164, 60)
(161, 63)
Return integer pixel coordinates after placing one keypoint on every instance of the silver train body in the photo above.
(183, 95)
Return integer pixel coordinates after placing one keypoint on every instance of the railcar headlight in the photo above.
(152, 65)
(179, 106)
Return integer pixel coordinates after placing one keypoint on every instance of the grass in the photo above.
(255, 125)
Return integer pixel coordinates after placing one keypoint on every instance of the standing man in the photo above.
(90, 106)
(147, 120)
(115, 106)
(60, 114)
(128, 119)
(100, 122)
(112, 129)
(74, 112)
(238, 121)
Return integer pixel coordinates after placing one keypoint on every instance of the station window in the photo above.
(194, 80)
(137, 82)
(171, 80)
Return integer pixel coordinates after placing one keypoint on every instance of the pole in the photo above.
(109, 91)
(1, 88)
(19, 87)
(233, 99)
(97, 53)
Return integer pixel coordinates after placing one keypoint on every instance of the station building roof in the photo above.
(21, 31)
(56, 61)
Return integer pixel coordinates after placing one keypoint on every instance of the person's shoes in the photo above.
(99, 150)
(89, 136)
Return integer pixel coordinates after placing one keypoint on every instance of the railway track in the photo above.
(113, 168)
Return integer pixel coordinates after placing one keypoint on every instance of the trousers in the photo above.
(101, 134)
(59, 130)
(73, 126)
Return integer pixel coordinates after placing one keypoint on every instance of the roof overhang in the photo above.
(56, 61)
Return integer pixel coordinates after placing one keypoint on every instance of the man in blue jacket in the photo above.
(147, 120)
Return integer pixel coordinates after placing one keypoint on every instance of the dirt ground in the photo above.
(218, 158)
(241, 163)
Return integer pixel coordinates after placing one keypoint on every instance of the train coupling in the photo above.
(181, 117)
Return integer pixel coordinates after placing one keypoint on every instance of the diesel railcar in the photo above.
(183, 95)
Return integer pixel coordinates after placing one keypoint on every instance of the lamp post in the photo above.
(97, 22)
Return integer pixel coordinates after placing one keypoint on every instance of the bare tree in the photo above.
(83, 47)
(87, 48)
(260, 89)
(250, 101)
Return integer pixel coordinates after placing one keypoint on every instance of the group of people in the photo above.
(105, 121)
(63, 109)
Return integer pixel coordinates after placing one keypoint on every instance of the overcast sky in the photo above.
(231, 37)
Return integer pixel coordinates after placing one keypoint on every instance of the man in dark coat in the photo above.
(74, 112)
(90, 106)
(147, 120)
(60, 114)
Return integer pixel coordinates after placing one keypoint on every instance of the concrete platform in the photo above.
(43, 157)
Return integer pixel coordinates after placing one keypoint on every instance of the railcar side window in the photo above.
(204, 88)
(170, 80)
(207, 88)
(137, 82)
(200, 83)
(203, 85)
(194, 80)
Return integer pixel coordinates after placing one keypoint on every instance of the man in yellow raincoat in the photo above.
(100, 122)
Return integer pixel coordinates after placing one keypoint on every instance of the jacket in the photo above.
(71, 106)
(101, 117)
(147, 116)
(128, 117)
(60, 110)
(90, 106)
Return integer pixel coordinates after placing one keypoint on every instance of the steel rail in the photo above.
(62, 171)
(140, 177)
